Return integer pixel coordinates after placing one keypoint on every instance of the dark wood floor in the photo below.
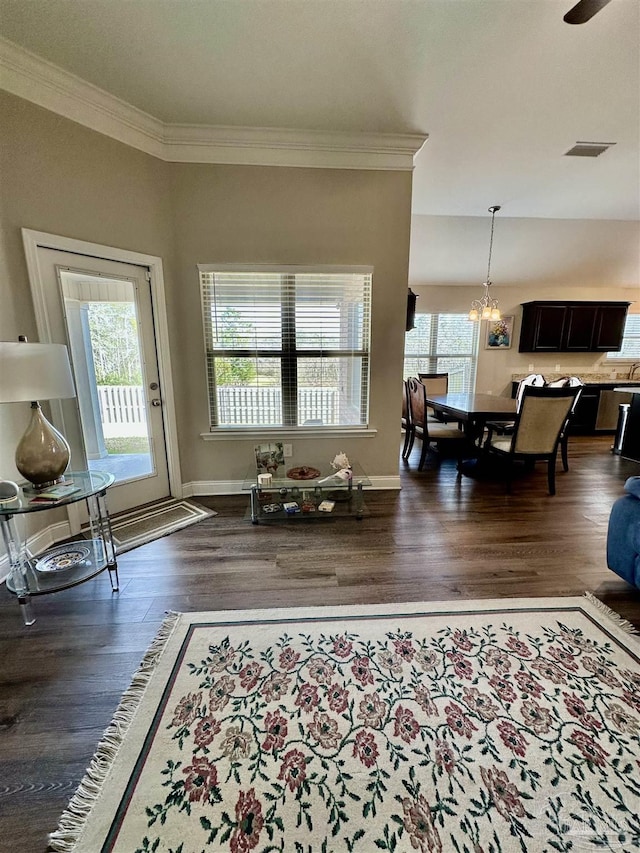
(439, 538)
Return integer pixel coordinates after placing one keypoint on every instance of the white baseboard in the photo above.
(234, 487)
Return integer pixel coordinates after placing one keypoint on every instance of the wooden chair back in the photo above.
(405, 404)
(417, 398)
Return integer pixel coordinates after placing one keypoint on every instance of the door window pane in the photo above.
(102, 326)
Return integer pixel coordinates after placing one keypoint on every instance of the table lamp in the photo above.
(37, 372)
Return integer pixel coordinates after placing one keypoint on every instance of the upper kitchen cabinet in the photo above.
(572, 326)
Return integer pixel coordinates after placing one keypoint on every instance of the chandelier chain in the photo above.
(487, 308)
(493, 218)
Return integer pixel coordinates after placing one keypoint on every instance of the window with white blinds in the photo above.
(443, 343)
(287, 347)
(630, 348)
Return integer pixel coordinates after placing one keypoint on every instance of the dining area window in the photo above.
(443, 343)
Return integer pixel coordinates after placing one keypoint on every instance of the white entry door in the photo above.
(103, 311)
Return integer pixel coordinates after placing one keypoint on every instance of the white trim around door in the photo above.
(34, 240)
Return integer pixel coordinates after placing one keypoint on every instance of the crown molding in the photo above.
(35, 79)
(263, 146)
(28, 76)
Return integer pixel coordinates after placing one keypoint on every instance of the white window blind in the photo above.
(443, 343)
(630, 339)
(287, 347)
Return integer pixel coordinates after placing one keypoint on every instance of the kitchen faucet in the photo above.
(632, 370)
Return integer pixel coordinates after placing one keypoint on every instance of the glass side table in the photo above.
(64, 565)
(346, 496)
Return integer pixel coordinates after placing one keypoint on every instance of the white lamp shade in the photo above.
(34, 372)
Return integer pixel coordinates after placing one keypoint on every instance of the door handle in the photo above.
(156, 402)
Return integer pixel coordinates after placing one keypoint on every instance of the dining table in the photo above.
(473, 411)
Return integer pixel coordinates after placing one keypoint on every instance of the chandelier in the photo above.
(486, 308)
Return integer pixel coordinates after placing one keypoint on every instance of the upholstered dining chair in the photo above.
(572, 382)
(406, 422)
(537, 430)
(507, 427)
(426, 430)
(437, 384)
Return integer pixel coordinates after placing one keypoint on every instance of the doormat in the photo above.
(143, 525)
(508, 725)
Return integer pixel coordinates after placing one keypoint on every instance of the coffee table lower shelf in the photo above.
(341, 510)
(347, 503)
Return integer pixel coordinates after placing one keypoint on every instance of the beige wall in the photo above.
(534, 253)
(235, 214)
(61, 178)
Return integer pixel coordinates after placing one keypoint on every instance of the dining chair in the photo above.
(573, 382)
(437, 384)
(426, 430)
(406, 422)
(537, 430)
(506, 427)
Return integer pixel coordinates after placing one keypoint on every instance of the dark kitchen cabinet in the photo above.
(585, 414)
(579, 324)
(609, 327)
(572, 326)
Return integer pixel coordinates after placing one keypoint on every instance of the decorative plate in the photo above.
(62, 558)
(304, 472)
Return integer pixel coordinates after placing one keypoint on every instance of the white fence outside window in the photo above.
(122, 408)
(263, 406)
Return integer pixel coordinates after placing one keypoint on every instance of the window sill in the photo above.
(253, 433)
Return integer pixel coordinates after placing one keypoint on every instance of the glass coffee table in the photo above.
(67, 564)
(309, 493)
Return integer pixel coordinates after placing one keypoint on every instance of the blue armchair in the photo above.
(623, 539)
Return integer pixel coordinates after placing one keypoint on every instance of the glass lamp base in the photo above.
(42, 456)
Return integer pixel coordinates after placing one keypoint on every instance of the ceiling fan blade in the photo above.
(584, 10)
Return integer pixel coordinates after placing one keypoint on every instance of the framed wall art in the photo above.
(269, 457)
(499, 333)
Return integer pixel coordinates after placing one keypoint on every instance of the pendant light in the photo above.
(486, 308)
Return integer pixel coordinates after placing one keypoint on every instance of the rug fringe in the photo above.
(74, 818)
(623, 624)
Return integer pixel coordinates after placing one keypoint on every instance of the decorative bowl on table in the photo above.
(63, 557)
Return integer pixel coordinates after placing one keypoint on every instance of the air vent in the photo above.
(588, 149)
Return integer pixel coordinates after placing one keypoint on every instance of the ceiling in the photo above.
(502, 87)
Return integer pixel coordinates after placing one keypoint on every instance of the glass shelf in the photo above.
(346, 495)
(63, 565)
(40, 582)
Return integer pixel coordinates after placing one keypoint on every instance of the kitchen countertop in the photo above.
(587, 378)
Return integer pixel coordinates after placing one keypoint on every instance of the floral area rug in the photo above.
(469, 726)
